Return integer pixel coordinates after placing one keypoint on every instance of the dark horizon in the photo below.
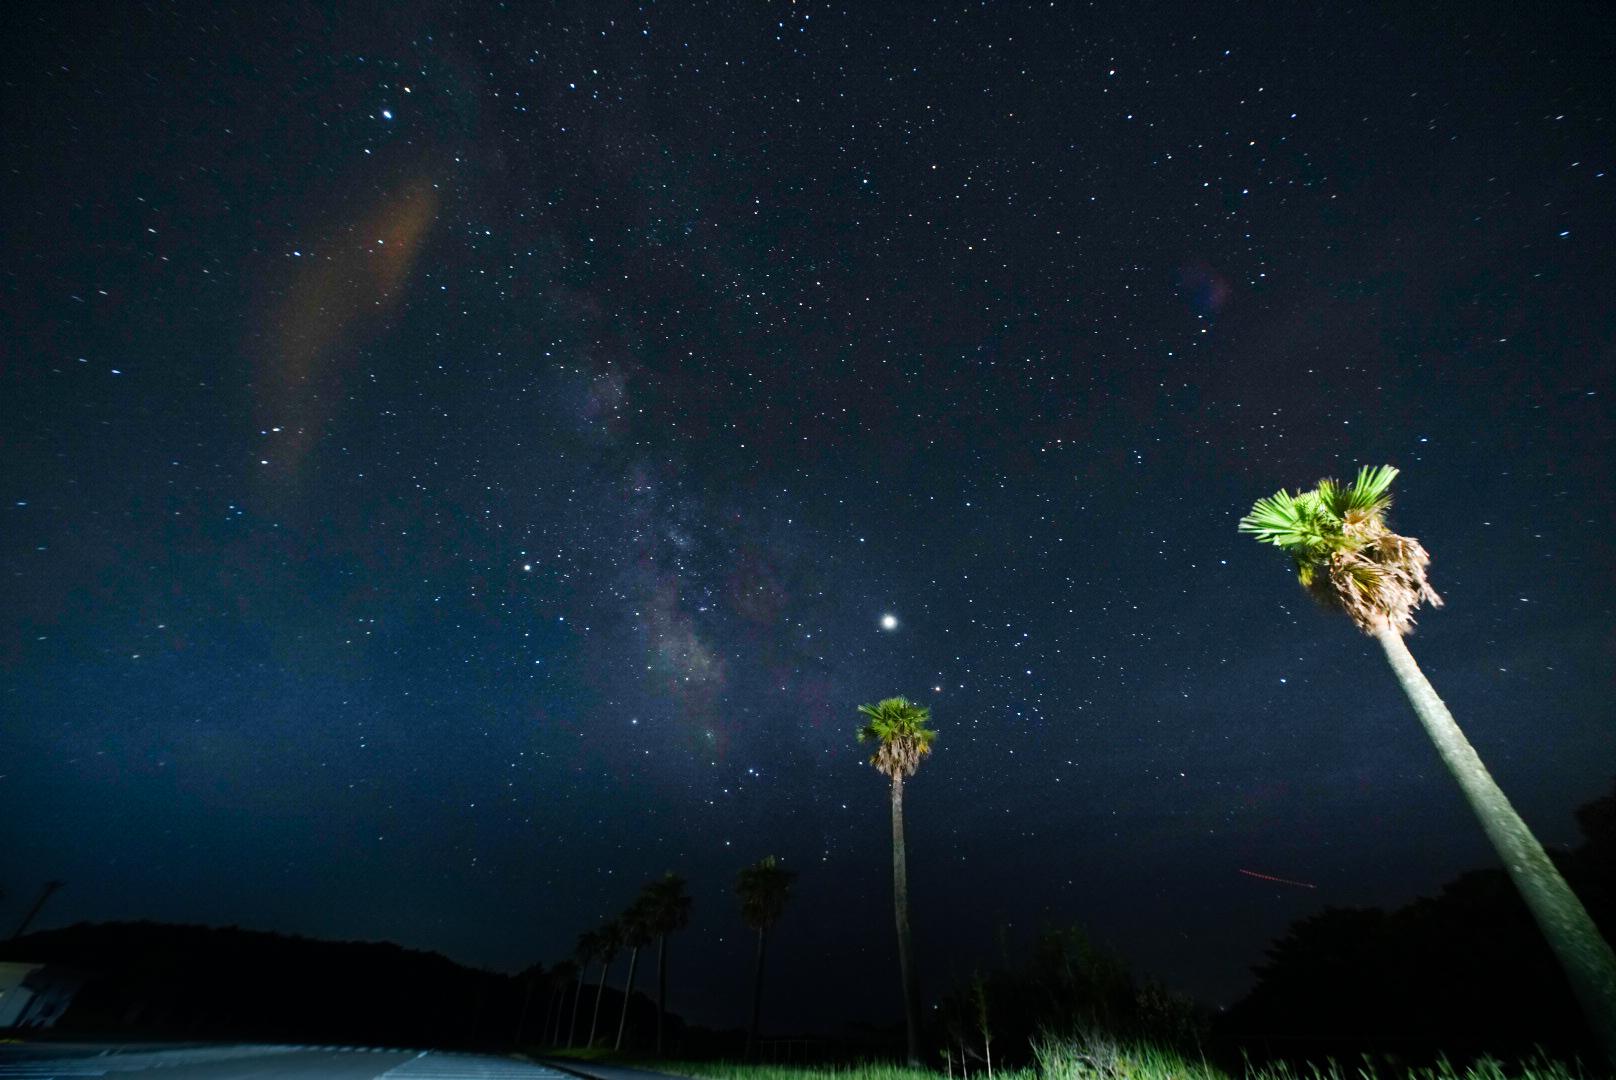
(459, 466)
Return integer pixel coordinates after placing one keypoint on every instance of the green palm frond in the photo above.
(1371, 492)
(1333, 497)
(1298, 523)
(896, 717)
(1343, 551)
(898, 728)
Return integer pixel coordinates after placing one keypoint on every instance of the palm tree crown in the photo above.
(609, 940)
(635, 922)
(1344, 554)
(898, 728)
(667, 904)
(587, 949)
(764, 887)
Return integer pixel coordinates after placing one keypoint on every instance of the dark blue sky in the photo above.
(456, 461)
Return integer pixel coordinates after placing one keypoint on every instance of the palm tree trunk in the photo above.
(577, 995)
(900, 905)
(757, 993)
(1587, 959)
(633, 958)
(552, 1023)
(521, 1017)
(594, 1022)
(662, 989)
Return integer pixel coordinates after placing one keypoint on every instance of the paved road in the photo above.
(261, 1063)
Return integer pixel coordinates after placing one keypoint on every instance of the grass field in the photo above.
(1067, 1061)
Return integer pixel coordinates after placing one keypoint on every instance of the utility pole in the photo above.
(44, 895)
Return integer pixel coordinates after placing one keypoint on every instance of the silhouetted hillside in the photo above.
(1461, 973)
(155, 979)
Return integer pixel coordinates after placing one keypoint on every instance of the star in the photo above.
(889, 622)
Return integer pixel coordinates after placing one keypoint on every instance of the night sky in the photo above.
(456, 462)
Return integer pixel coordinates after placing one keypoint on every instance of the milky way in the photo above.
(460, 466)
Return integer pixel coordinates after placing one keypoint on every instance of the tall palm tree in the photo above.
(898, 728)
(584, 952)
(668, 907)
(637, 934)
(1345, 556)
(611, 943)
(763, 889)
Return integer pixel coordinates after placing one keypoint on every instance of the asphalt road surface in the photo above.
(241, 1062)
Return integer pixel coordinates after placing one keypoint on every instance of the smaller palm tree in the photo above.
(531, 978)
(584, 952)
(668, 907)
(902, 740)
(610, 936)
(763, 888)
(561, 978)
(637, 934)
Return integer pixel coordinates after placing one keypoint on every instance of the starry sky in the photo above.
(457, 462)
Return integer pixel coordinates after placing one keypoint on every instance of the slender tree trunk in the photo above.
(1587, 959)
(757, 993)
(521, 1017)
(45, 893)
(661, 989)
(594, 1022)
(900, 905)
(577, 995)
(552, 1014)
(628, 992)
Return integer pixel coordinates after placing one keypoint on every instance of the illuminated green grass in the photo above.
(1060, 1060)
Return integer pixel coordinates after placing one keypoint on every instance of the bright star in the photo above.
(889, 622)
(387, 114)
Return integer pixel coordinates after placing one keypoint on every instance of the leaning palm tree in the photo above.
(763, 889)
(584, 952)
(637, 934)
(611, 943)
(668, 906)
(898, 728)
(1346, 557)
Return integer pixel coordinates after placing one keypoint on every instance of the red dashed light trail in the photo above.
(1277, 880)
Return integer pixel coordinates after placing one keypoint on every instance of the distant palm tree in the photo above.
(530, 981)
(584, 951)
(668, 909)
(561, 977)
(763, 889)
(898, 728)
(1346, 557)
(611, 943)
(637, 934)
